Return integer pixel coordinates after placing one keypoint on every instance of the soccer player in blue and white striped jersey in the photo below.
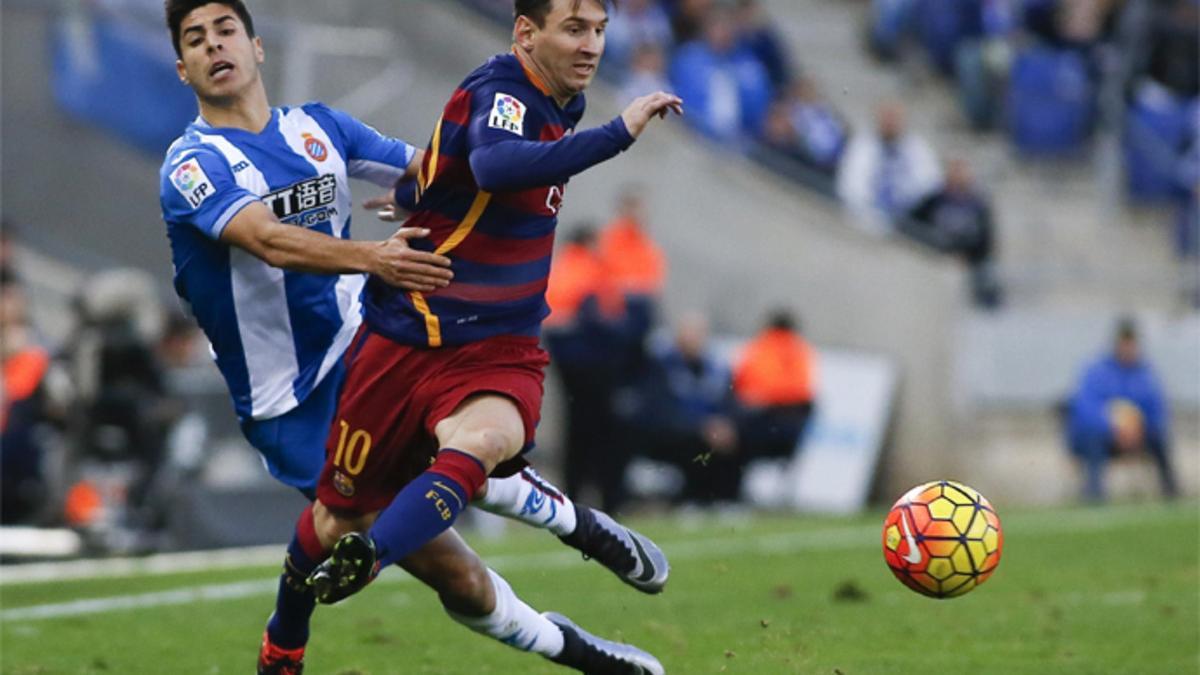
(257, 206)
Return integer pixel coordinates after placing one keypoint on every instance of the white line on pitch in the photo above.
(770, 544)
(264, 556)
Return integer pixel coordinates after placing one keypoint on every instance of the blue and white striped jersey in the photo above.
(275, 333)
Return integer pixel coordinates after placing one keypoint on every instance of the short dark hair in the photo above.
(538, 10)
(583, 235)
(783, 319)
(177, 11)
(1126, 329)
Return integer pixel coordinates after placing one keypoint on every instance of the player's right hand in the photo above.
(385, 208)
(642, 110)
(398, 264)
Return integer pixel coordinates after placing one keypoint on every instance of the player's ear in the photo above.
(181, 71)
(259, 54)
(523, 32)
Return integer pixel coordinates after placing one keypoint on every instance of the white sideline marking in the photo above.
(161, 563)
(772, 544)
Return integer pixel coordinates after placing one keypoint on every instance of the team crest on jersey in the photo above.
(191, 181)
(508, 113)
(315, 147)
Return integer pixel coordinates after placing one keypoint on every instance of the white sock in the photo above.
(531, 499)
(515, 623)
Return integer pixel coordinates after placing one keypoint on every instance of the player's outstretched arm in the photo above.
(523, 164)
(256, 229)
(639, 113)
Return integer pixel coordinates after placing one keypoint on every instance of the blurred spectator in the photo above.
(25, 408)
(775, 380)
(634, 262)
(982, 62)
(587, 338)
(885, 173)
(779, 134)
(637, 23)
(726, 89)
(7, 245)
(1187, 217)
(688, 18)
(687, 415)
(647, 73)
(1071, 24)
(958, 219)
(821, 132)
(1162, 42)
(1118, 409)
(1174, 47)
(890, 23)
(124, 408)
(758, 35)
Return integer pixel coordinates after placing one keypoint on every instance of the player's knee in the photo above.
(466, 588)
(490, 446)
(330, 526)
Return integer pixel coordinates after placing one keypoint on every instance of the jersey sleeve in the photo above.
(504, 154)
(197, 188)
(370, 155)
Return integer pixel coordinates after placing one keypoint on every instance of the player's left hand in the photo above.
(639, 113)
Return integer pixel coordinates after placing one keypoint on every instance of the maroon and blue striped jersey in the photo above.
(490, 189)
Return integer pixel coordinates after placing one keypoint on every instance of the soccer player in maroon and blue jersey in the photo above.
(444, 388)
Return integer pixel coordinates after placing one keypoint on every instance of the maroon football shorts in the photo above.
(394, 395)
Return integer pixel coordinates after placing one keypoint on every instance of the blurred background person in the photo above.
(821, 131)
(759, 36)
(727, 89)
(688, 17)
(687, 416)
(957, 219)
(588, 340)
(647, 73)
(636, 265)
(888, 170)
(26, 409)
(124, 409)
(639, 23)
(775, 381)
(1118, 409)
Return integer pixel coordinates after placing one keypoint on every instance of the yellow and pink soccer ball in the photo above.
(942, 539)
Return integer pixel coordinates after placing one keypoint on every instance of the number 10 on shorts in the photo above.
(353, 448)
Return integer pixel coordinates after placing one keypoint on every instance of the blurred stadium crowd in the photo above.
(1049, 73)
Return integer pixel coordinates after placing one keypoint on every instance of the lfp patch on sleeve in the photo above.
(508, 113)
(191, 181)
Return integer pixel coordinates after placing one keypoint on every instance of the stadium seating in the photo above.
(1050, 102)
(1156, 127)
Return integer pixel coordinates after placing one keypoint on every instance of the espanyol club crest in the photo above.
(314, 147)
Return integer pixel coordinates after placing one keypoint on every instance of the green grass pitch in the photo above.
(1100, 590)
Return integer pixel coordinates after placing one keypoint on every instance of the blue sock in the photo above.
(427, 506)
(294, 603)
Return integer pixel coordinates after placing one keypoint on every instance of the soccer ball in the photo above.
(942, 539)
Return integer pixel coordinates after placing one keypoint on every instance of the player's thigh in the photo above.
(487, 426)
(452, 568)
